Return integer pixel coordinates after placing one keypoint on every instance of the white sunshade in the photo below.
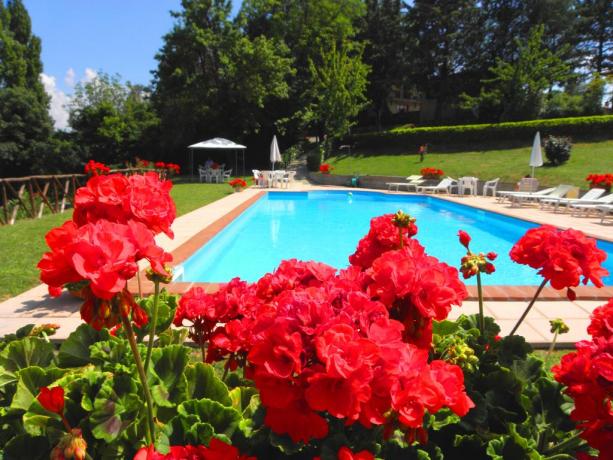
(536, 156)
(217, 143)
(275, 153)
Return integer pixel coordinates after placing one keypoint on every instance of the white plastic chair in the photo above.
(258, 177)
(287, 178)
(468, 183)
(226, 175)
(202, 172)
(491, 185)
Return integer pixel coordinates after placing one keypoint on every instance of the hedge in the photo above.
(577, 127)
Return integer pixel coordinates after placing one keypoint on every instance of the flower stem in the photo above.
(525, 313)
(553, 344)
(154, 320)
(481, 316)
(400, 239)
(203, 350)
(143, 378)
(140, 290)
(573, 441)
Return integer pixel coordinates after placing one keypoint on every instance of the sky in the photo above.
(82, 37)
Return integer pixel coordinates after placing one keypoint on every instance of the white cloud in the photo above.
(69, 77)
(90, 74)
(59, 101)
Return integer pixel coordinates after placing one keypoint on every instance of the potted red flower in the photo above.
(432, 173)
(325, 168)
(604, 181)
(238, 184)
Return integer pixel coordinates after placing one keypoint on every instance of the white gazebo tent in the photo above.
(221, 144)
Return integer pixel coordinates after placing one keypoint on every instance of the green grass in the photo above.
(508, 164)
(23, 244)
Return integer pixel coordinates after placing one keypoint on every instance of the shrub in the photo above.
(579, 128)
(291, 153)
(557, 149)
(314, 160)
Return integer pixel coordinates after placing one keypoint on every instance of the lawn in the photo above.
(23, 243)
(508, 164)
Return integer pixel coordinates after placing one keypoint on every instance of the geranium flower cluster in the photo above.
(237, 182)
(217, 450)
(563, 257)
(431, 173)
(113, 227)
(325, 168)
(588, 377)
(472, 263)
(353, 345)
(171, 168)
(604, 181)
(94, 168)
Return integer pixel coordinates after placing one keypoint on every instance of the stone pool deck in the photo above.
(34, 305)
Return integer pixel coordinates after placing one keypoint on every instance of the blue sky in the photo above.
(81, 37)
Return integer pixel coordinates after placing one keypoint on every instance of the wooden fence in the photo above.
(32, 194)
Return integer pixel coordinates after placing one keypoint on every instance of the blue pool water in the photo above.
(327, 225)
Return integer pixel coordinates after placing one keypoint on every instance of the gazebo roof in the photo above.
(217, 143)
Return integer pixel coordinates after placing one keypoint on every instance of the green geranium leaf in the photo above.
(172, 337)
(31, 379)
(115, 407)
(245, 400)
(167, 304)
(113, 355)
(223, 419)
(201, 381)
(512, 348)
(285, 444)
(28, 447)
(31, 351)
(160, 396)
(169, 364)
(444, 327)
(74, 352)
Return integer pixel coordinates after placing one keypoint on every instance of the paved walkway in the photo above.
(35, 306)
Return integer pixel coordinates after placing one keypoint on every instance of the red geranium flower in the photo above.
(464, 238)
(217, 450)
(93, 168)
(52, 399)
(325, 168)
(602, 321)
(563, 257)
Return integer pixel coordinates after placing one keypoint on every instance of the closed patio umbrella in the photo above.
(536, 156)
(275, 154)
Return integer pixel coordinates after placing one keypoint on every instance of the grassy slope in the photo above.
(508, 164)
(23, 244)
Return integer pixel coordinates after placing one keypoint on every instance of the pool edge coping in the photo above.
(491, 293)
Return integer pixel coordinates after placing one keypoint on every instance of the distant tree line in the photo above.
(311, 67)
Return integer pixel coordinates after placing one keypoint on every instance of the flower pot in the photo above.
(238, 189)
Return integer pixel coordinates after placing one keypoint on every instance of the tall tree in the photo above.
(339, 90)
(596, 29)
(516, 89)
(25, 125)
(305, 27)
(385, 45)
(212, 79)
(111, 121)
(448, 36)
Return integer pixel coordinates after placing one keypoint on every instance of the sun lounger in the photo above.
(559, 192)
(589, 197)
(586, 208)
(443, 186)
(412, 181)
(505, 194)
(605, 210)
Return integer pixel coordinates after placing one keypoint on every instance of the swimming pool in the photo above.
(327, 225)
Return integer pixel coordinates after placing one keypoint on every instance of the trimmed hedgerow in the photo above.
(577, 127)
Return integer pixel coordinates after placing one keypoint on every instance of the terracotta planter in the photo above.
(238, 189)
